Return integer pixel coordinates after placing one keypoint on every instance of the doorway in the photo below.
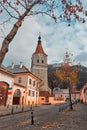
(16, 97)
(3, 93)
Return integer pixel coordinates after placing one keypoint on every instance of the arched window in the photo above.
(16, 96)
(42, 61)
(17, 93)
(37, 60)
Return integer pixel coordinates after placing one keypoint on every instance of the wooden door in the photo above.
(3, 93)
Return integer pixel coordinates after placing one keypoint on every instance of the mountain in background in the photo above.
(53, 80)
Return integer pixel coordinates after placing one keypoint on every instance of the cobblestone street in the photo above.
(65, 120)
(47, 118)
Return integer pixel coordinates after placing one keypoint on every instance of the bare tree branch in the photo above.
(65, 10)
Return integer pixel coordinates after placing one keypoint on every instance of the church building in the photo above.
(39, 68)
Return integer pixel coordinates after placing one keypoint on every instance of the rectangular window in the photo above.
(29, 93)
(37, 85)
(36, 94)
(29, 81)
(32, 93)
(33, 83)
(19, 80)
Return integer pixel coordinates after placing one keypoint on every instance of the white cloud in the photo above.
(55, 38)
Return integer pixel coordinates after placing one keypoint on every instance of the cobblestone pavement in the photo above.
(65, 120)
(47, 118)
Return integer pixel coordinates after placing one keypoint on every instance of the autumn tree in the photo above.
(15, 11)
(68, 74)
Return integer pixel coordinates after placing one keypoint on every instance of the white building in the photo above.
(6, 86)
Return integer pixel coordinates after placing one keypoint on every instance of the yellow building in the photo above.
(26, 85)
(18, 86)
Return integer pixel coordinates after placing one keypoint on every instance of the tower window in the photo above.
(37, 60)
(42, 61)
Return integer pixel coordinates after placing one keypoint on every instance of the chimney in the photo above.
(21, 64)
(12, 66)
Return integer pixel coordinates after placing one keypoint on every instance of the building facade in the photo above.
(6, 86)
(18, 86)
(83, 94)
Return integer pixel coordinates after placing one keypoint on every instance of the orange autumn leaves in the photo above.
(67, 74)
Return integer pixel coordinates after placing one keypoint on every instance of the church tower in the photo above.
(39, 65)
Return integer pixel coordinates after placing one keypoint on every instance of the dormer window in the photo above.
(19, 80)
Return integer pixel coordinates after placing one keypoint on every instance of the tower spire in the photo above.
(39, 48)
(39, 38)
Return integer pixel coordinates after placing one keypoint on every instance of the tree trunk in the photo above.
(7, 40)
(70, 98)
(10, 36)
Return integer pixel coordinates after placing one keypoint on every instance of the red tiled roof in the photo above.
(39, 48)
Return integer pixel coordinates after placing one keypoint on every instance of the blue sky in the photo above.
(56, 37)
